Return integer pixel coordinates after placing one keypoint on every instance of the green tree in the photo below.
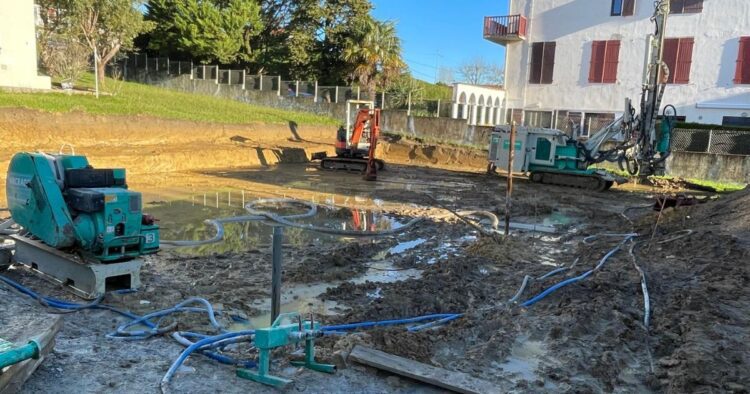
(209, 30)
(106, 26)
(375, 54)
(403, 90)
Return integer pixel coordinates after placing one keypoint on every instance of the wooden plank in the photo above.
(455, 381)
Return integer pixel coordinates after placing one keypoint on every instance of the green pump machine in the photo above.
(80, 226)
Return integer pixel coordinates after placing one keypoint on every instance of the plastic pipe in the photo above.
(19, 354)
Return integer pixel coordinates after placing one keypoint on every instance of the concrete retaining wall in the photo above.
(438, 129)
(727, 168)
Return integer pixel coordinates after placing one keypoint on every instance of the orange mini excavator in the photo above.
(356, 143)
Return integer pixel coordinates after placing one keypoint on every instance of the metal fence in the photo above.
(141, 67)
(723, 142)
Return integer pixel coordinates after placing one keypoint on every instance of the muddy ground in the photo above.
(586, 337)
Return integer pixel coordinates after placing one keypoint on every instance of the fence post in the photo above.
(278, 86)
(179, 68)
(191, 70)
(336, 98)
(437, 114)
(710, 137)
(217, 75)
(168, 69)
(244, 79)
(261, 81)
(315, 99)
(296, 90)
(145, 61)
(382, 100)
(358, 93)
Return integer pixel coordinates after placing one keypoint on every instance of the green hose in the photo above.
(18, 354)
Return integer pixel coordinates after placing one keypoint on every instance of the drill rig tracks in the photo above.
(588, 182)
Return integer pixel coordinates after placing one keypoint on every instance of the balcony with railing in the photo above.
(505, 29)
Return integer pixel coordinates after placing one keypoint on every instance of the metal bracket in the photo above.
(87, 278)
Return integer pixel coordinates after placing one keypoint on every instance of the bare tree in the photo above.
(479, 72)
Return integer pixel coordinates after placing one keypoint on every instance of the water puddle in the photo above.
(524, 359)
(183, 220)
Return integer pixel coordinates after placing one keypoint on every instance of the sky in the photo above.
(442, 33)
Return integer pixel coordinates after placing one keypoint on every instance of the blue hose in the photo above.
(196, 346)
(180, 337)
(581, 277)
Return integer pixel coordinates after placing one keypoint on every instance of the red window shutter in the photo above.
(693, 6)
(742, 75)
(597, 61)
(537, 52)
(670, 56)
(684, 60)
(611, 60)
(548, 64)
(628, 8)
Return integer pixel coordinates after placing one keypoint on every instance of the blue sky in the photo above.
(442, 32)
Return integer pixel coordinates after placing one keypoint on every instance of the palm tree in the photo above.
(375, 54)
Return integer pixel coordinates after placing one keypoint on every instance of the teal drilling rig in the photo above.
(550, 156)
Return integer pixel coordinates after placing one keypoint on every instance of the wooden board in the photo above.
(20, 321)
(454, 381)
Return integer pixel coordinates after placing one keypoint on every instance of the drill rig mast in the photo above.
(551, 157)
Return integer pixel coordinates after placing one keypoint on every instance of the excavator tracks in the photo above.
(588, 182)
(348, 164)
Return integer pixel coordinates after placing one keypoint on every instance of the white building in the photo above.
(478, 104)
(18, 56)
(571, 63)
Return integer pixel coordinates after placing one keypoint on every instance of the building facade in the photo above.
(570, 64)
(478, 104)
(18, 55)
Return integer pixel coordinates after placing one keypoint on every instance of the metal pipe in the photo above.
(278, 238)
(509, 184)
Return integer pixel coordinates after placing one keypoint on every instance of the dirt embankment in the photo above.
(145, 144)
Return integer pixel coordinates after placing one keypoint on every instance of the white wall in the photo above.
(18, 56)
(479, 105)
(574, 24)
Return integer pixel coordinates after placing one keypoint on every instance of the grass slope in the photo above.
(139, 99)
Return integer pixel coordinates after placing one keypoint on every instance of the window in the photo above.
(570, 123)
(539, 119)
(742, 75)
(685, 6)
(604, 58)
(595, 122)
(623, 7)
(542, 62)
(678, 55)
(735, 121)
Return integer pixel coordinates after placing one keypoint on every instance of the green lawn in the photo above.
(139, 99)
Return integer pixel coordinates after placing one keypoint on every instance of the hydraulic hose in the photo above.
(583, 276)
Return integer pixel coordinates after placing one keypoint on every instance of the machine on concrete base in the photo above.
(638, 145)
(81, 227)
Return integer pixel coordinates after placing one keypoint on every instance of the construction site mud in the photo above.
(588, 336)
